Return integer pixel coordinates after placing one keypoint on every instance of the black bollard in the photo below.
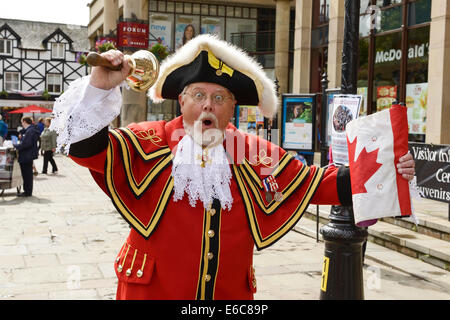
(342, 275)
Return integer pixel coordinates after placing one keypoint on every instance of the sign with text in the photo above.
(345, 109)
(432, 170)
(132, 34)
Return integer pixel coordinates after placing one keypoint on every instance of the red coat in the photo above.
(175, 251)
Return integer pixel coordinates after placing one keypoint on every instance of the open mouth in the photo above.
(208, 123)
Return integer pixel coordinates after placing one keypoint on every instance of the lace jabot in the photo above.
(203, 174)
(82, 111)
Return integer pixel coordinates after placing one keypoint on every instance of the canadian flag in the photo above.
(375, 144)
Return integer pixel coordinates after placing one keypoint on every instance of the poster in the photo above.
(345, 109)
(416, 101)
(362, 91)
(386, 95)
(161, 29)
(250, 120)
(298, 122)
(185, 25)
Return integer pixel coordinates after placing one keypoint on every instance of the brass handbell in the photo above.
(144, 68)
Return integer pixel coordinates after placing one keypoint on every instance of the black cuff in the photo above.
(91, 146)
(344, 187)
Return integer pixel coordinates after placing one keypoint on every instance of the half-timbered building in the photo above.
(38, 60)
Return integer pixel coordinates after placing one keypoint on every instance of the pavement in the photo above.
(61, 243)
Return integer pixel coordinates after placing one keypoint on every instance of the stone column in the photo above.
(110, 16)
(335, 42)
(438, 104)
(282, 47)
(302, 46)
(134, 108)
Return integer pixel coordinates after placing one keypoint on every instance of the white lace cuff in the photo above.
(82, 111)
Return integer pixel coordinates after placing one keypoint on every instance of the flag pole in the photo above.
(342, 275)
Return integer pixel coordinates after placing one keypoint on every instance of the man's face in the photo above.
(208, 98)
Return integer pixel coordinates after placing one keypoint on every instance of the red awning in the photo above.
(32, 109)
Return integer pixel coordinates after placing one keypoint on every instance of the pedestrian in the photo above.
(198, 193)
(41, 125)
(3, 130)
(48, 146)
(28, 151)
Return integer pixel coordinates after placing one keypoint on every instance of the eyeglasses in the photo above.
(200, 96)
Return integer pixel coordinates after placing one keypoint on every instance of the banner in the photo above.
(432, 170)
(132, 34)
(345, 109)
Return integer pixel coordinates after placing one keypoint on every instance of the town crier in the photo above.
(198, 193)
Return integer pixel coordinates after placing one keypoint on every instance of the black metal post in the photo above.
(323, 122)
(342, 276)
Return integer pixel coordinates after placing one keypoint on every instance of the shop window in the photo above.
(170, 6)
(178, 7)
(153, 5)
(417, 82)
(205, 9)
(213, 25)
(5, 47)
(386, 77)
(213, 10)
(54, 83)
(242, 32)
(58, 50)
(390, 19)
(12, 81)
(419, 12)
(188, 8)
(162, 6)
(196, 8)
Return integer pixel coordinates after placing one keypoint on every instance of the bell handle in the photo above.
(96, 60)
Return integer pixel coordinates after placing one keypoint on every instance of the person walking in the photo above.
(3, 130)
(28, 151)
(48, 146)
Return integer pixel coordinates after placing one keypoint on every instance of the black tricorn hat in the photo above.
(206, 58)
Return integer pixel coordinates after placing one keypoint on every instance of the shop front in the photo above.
(393, 64)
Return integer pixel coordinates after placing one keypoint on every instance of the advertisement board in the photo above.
(298, 122)
(132, 34)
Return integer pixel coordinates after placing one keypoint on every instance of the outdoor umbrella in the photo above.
(31, 109)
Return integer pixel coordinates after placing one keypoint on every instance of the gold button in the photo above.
(128, 273)
(211, 233)
(212, 212)
(139, 273)
(207, 277)
(119, 268)
(210, 255)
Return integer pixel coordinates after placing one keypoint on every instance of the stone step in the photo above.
(401, 239)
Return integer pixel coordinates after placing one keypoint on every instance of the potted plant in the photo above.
(160, 51)
(4, 94)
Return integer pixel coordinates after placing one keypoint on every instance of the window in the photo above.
(54, 83)
(58, 50)
(12, 81)
(5, 46)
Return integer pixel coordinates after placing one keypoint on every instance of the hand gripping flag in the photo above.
(375, 143)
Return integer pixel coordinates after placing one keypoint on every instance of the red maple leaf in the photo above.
(363, 168)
